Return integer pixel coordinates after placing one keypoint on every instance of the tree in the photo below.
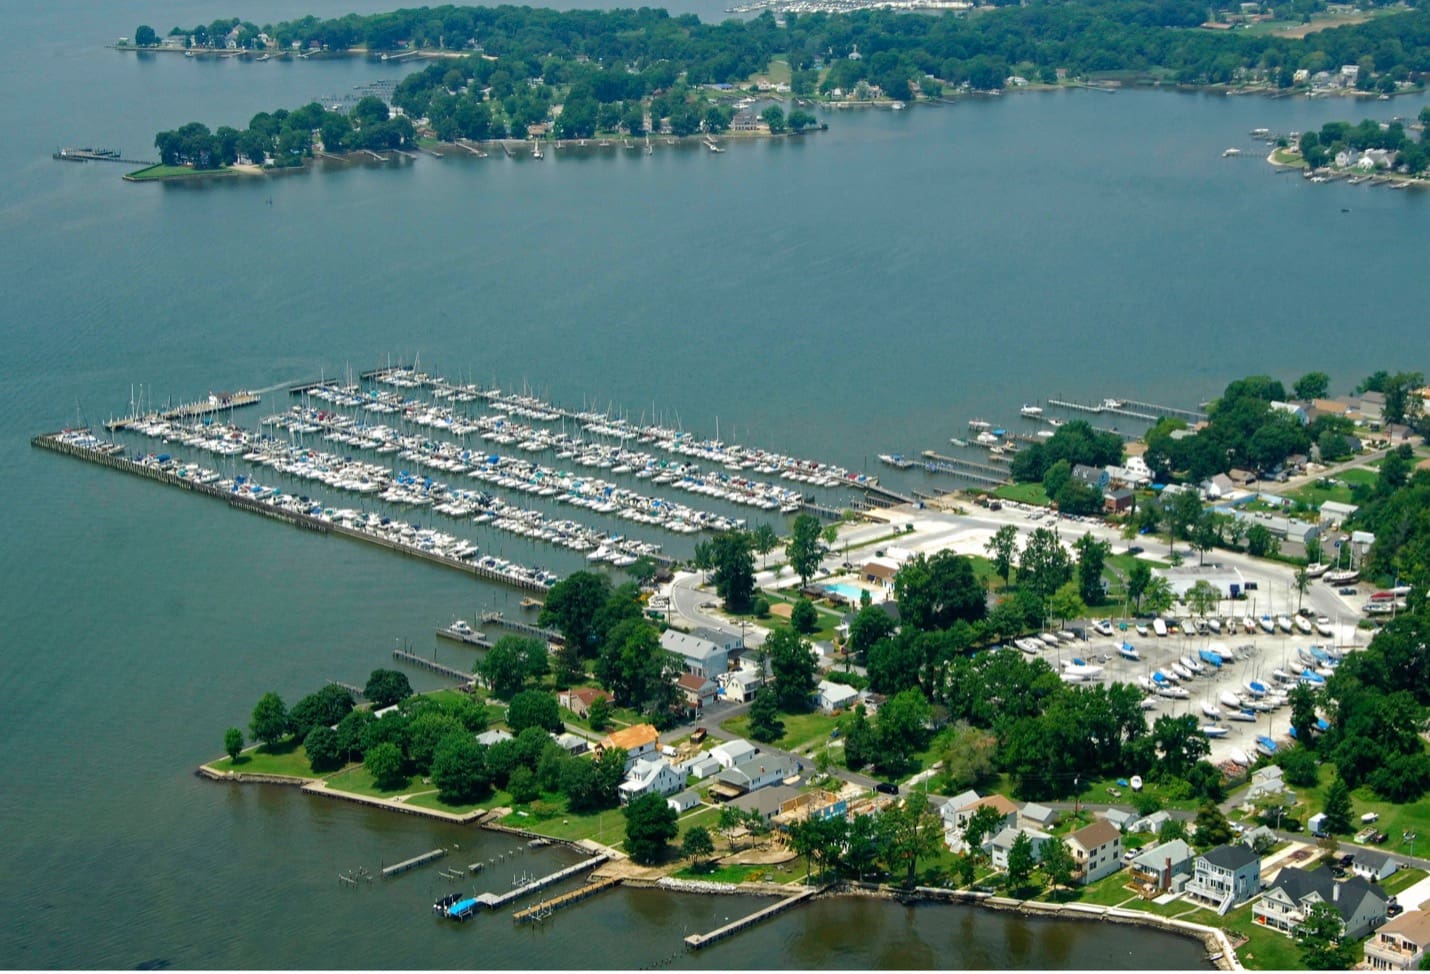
(144, 36)
(1299, 766)
(1338, 807)
(1260, 542)
(533, 708)
(424, 732)
(352, 730)
(510, 663)
(1139, 576)
(269, 722)
(1057, 863)
(869, 626)
(967, 754)
(1045, 566)
(387, 687)
(793, 665)
(1312, 385)
(1066, 604)
(1091, 558)
(650, 824)
(910, 831)
(1180, 743)
(1212, 827)
(322, 709)
(1002, 548)
(1021, 861)
(634, 667)
(733, 572)
(1203, 597)
(385, 763)
(459, 770)
(233, 742)
(765, 723)
(860, 740)
(1321, 939)
(934, 593)
(571, 606)
(804, 617)
(1158, 597)
(598, 715)
(982, 824)
(902, 728)
(774, 117)
(324, 751)
(799, 120)
(763, 537)
(697, 845)
(804, 549)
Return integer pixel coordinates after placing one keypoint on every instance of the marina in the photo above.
(215, 403)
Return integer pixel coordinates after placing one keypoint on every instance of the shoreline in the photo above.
(1327, 174)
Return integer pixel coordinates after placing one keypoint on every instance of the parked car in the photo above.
(1135, 549)
(886, 788)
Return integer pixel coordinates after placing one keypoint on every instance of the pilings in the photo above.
(494, 618)
(496, 901)
(403, 656)
(397, 869)
(698, 940)
(545, 908)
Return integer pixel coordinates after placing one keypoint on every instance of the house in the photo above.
(1295, 409)
(1150, 824)
(758, 772)
(1265, 783)
(651, 776)
(579, 699)
(1402, 944)
(740, 686)
(880, 572)
(765, 802)
(1120, 817)
(572, 743)
(1135, 474)
(1284, 905)
(1224, 876)
(697, 655)
(1335, 512)
(955, 816)
(733, 752)
(1001, 844)
(700, 767)
(726, 640)
(1118, 500)
(494, 737)
(638, 741)
(1035, 816)
(835, 696)
(683, 801)
(1097, 851)
(697, 690)
(1092, 476)
(1164, 867)
(1217, 487)
(1373, 865)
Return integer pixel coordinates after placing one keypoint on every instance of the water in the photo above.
(862, 291)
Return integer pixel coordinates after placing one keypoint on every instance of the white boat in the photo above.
(1212, 730)
(1268, 624)
(1083, 671)
(1030, 410)
(1283, 676)
(979, 424)
(1149, 703)
(1228, 153)
(1048, 638)
(1136, 782)
(1245, 715)
(1230, 699)
(1249, 624)
(1211, 710)
(1192, 664)
(956, 441)
(1342, 576)
(1285, 623)
(1239, 756)
(1323, 626)
(1142, 629)
(1181, 671)
(1159, 626)
(1175, 692)
(1304, 624)
(1128, 651)
(1316, 570)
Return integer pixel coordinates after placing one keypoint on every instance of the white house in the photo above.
(1284, 905)
(733, 752)
(958, 810)
(651, 775)
(1374, 865)
(683, 802)
(1001, 844)
(1265, 782)
(740, 685)
(758, 772)
(1097, 851)
(1224, 876)
(699, 656)
(1400, 945)
(835, 696)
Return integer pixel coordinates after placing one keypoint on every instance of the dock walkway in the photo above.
(985, 473)
(494, 618)
(403, 656)
(397, 869)
(204, 407)
(545, 908)
(495, 901)
(698, 940)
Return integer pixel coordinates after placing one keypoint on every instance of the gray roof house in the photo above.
(494, 737)
(1284, 905)
(1151, 824)
(1374, 865)
(699, 656)
(999, 846)
(1224, 876)
(1119, 817)
(683, 802)
(1033, 815)
(759, 772)
(1164, 867)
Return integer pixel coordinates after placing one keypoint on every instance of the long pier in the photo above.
(471, 637)
(1191, 415)
(698, 940)
(403, 656)
(964, 468)
(397, 869)
(90, 155)
(496, 901)
(546, 907)
(52, 441)
(525, 628)
(204, 407)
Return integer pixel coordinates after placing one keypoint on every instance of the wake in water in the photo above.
(277, 385)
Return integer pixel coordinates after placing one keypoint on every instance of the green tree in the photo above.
(1066, 604)
(650, 825)
(572, 605)
(459, 770)
(510, 663)
(765, 723)
(734, 570)
(1312, 385)
(1045, 566)
(804, 549)
(1260, 542)
(269, 722)
(322, 709)
(1091, 559)
(860, 740)
(1057, 863)
(1021, 861)
(1203, 597)
(598, 715)
(1338, 807)
(1180, 743)
(144, 36)
(793, 664)
(233, 742)
(1139, 576)
(387, 687)
(385, 763)
(697, 845)
(523, 786)
(902, 728)
(804, 617)
(764, 538)
(774, 117)
(1158, 596)
(1320, 936)
(635, 668)
(1002, 548)
(1212, 827)
(967, 754)
(869, 626)
(1299, 766)
(533, 708)
(910, 831)
(934, 593)
(799, 120)
(982, 824)
(324, 751)
(424, 732)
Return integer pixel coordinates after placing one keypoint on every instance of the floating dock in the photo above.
(397, 869)
(215, 403)
(545, 908)
(403, 656)
(526, 629)
(698, 940)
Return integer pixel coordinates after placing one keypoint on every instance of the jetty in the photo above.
(494, 618)
(698, 940)
(495, 901)
(397, 869)
(412, 659)
(217, 402)
(986, 473)
(545, 908)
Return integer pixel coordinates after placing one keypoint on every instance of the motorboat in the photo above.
(1066, 635)
(1081, 671)
(1214, 730)
(1214, 625)
(1159, 626)
(1145, 682)
(1211, 710)
(1238, 756)
(1312, 677)
(1282, 676)
(1135, 782)
(1048, 638)
(1031, 410)
(1102, 627)
(1211, 657)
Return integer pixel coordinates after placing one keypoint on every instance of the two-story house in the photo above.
(651, 776)
(1400, 945)
(1001, 844)
(958, 810)
(1224, 876)
(1096, 851)
(1163, 867)
(638, 741)
(1285, 904)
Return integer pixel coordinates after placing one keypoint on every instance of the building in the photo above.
(1035, 816)
(1373, 865)
(766, 802)
(1118, 500)
(958, 810)
(1400, 945)
(1119, 817)
(683, 801)
(725, 639)
(579, 699)
(697, 655)
(1285, 904)
(835, 696)
(700, 767)
(1336, 512)
(1163, 868)
(1265, 783)
(651, 776)
(1001, 844)
(697, 691)
(741, 685)
(1097, 851)
(1096, 477)
(1224, 876)
(733, 752)
(638, 741)
(572, 743)
(880, 572)
(1150, 824)
(491, 737)
(759, 772)
(1226, 579)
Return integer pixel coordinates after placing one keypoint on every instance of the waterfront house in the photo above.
(1096, 850)
(1035, 816)
(758, 772)
(835, 696)
(696, 690)
(955, 816)
(1373, 865)
(638, 741)
(1092, 476)
(1224, 876)
(1134, 474)
(880, 571)
(697, 655)
(1001, 844)
(733, 752)
(683, 801)
(651, 776)
(1163, 867)
(1400, 945)
(766, 802)
(1284, 905)
(578, 700)
(812, 804)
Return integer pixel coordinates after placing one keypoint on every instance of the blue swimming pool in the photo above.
(851, 592)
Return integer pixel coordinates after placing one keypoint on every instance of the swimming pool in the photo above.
(847, 590)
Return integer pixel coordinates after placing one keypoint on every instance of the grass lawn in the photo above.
(1315, 495)
(173, 172)
(1265, 949)
(1395, 820)
(1023, 493)
(740, 873)
(620, 717)
(358, 780)
(1286, 157)
(1108, 891)
(800, 729)
(550, 817)
(286, 758)
(430, 800)
(828, 616)
(1402, 880)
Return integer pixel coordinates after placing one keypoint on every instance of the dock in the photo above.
(698, 940)
(403, 656)
(885, 493)
(470, 637)
(525, 628)
(545, 908)
(397, 869)
(495, 901)
(1190, 415)
(215, 403)
(99, 155)
(986, 473)
(357, 692)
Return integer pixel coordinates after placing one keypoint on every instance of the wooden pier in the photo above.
(525, 628)
(398, 869)
(545, 908)
(90, 155)
(403, 656)
(1190, 415)
(698, 940)
(357, 692)
(215, 403)
(469, 637)
(970, 469)
(496, 901)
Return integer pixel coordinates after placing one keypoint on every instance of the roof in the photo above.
(880, 567)
(493, 737)
(737, 750)
(1156, 857)
(1038, 813)
(1372, 859)
(1232, 856)
(1413, 925)
(1008, 835)
(698, 684)
(637, 735)
(837, 691)
(1346, 896)
(1119, 816)
(760, 766)
(1001, 802)
(960, 801)
(688, 646)
(588, 695)
(766, 801)
(1097, 834)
